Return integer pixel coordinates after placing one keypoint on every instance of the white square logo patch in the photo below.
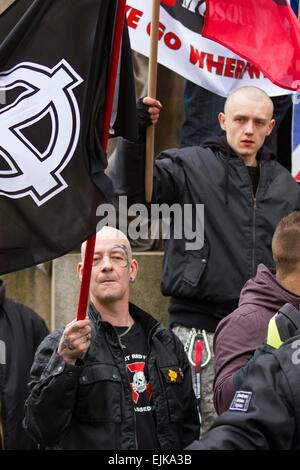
(241, 401)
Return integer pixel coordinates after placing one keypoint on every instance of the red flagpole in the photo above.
(90, 246)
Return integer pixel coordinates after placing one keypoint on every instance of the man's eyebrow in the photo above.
(124, 249)
(242, 115)
(120, 248)
(239, 114)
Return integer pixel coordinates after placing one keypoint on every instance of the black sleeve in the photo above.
(128, 174)
(128, 171)
(48, 409)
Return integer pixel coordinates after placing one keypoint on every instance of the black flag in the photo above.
(54, 63)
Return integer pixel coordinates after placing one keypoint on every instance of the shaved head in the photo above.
(247, 121)
(286, 245)
(112, 270)
(251, 93)
(110, 233)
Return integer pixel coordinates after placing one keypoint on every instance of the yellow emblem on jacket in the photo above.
(172, 375)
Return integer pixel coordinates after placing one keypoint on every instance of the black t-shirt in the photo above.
(254, 176)
(135, 351)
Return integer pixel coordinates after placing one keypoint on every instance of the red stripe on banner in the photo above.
(171, 3)
(264, 32)
(297, 177)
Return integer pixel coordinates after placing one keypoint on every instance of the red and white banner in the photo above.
(183, 49)
(169, 2)
(267, 32)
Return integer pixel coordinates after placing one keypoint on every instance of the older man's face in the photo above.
(112, 266)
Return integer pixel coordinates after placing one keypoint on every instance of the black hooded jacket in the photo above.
(205, 283)
(21, 331)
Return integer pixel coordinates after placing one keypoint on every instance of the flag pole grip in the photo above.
(113, 69)
(152, 83)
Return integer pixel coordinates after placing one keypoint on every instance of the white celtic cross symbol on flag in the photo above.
(45, 92)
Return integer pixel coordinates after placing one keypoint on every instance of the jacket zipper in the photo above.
(254, 220)
(254, 237)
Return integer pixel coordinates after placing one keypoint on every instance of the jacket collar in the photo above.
(147, 321)
(220, 143)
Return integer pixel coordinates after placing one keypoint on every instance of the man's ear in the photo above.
(79, 270)
(222, 121)
(271, 125)
(134, 267)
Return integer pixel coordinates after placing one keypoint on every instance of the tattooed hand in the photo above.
(75, 340)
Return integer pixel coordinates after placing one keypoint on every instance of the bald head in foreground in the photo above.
(117, 379)
(113, 270)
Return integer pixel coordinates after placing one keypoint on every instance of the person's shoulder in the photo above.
(17, 304)
(16, 307)
(170, 338)
(26, 315)
(165, 334)
(281, 170)
(247, 311)
(184, 153)
(285, 358)
(242, 313)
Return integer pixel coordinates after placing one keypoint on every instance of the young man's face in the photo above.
(247, 123)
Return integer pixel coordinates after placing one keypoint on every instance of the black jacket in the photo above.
(205, 284)
(21, 331)
(90, 406)
(265, 412)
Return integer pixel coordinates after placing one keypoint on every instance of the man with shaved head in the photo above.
(245, 192)
(117, 379)
(247, 126)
